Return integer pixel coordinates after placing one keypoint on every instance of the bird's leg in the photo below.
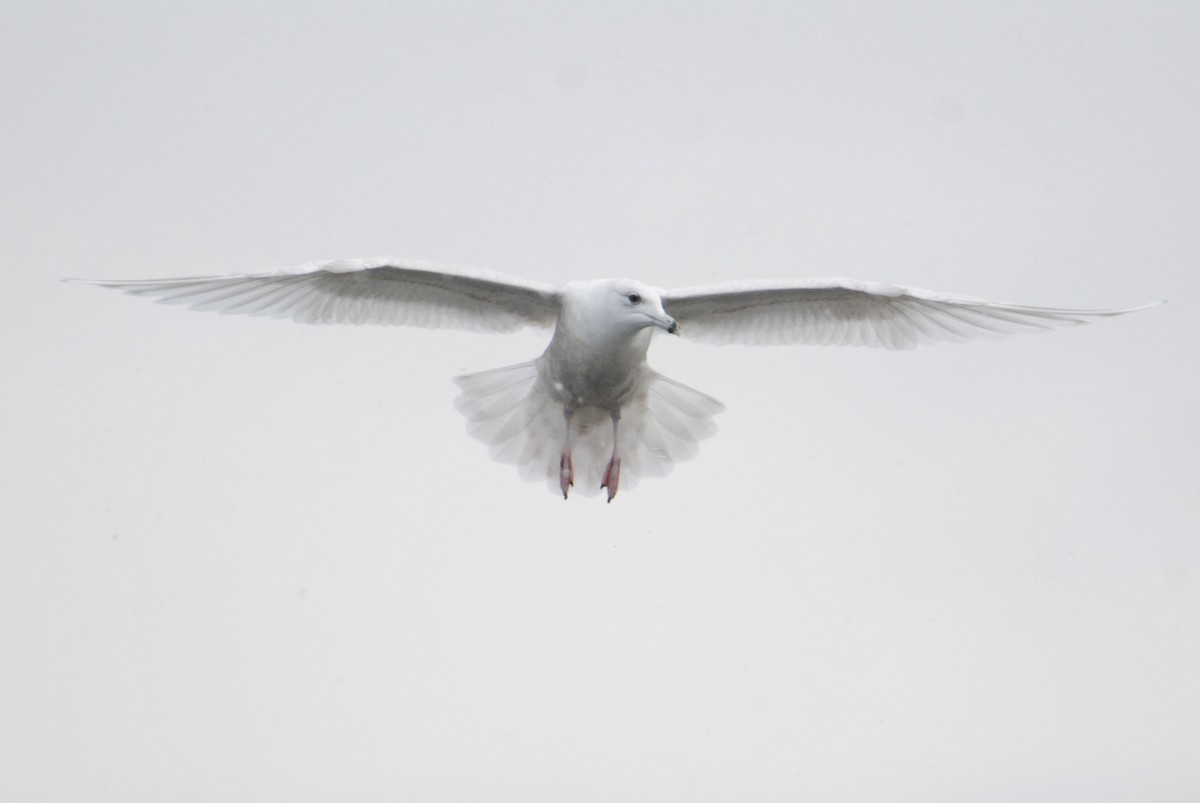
(612, 474)
(566, 471)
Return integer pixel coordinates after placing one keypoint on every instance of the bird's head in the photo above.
(612, 310)
(633, 306)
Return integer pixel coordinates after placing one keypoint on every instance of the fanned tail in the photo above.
(520, 419)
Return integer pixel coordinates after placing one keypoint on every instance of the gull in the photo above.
(590, 413)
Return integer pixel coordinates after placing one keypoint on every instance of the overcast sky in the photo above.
(248, 560)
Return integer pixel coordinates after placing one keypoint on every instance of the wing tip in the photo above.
(111, 283)
(1149, 305)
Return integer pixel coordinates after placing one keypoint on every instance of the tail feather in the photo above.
(515, 413)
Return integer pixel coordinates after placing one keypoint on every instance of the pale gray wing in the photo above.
(851, 313)
(374, 291)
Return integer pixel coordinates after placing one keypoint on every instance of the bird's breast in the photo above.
(594, 374)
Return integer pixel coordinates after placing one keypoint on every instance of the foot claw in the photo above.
(612, 477)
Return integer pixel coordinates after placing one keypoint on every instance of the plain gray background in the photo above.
(247, 560)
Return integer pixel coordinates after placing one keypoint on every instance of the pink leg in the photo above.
(566, 470)
(612, 474)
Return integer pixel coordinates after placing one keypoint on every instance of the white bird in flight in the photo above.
(589, 412)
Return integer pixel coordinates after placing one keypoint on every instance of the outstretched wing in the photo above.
(846, 312)
(375, 291)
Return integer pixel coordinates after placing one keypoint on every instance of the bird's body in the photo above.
(597, 351)
(590, 413)
(593, 389)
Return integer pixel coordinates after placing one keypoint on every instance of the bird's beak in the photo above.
(666, 322)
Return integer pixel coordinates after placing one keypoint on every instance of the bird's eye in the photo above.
(634, 298)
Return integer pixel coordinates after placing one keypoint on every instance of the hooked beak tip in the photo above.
(673, 328)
